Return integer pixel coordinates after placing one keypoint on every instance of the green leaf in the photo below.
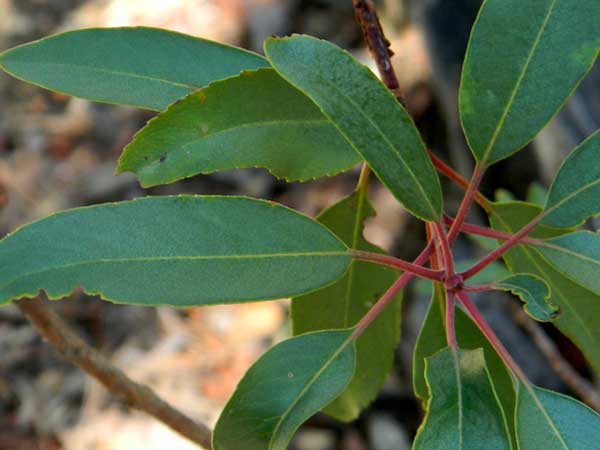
(253, 120)
(574, 194)
(579, 307)
(344, 303)
(578, 256)
(534, 292)
(432, 339)
(550, 421)
(462, 410)
(537, 194)
(143, 67)
(366, 113)
(180, 251)
(285, 387)
(523, 61)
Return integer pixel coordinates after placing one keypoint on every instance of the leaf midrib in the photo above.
(355, 237)
(572, 195)
(517, 86)
(268, 123)
(385, 139)
(542, 408)
(109, 71)
(173, 258)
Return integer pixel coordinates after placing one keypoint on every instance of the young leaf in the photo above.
(432, 339)
(550, 421)
(575, 191)
(534, 292)
(366, 113)
(253, 120)
(342, 304)
(179, 251)
(144, 67)
(578, 256)
(510, 86)
(285, 387)
(579, 307)
(462, 410)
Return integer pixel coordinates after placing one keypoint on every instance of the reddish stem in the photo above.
(450, 325)
(491, 336)
(389, 295)
(479, 288)
(458, 179)
(516, 239)
(463, 210)
(445, 249)
(390, 261)
(487, 232)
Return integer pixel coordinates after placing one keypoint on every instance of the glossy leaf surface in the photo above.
(285, 387)
(535, 294)
(523, 61)
(366, 113)
(551, 421)
(432, 339)
(578, 256)
(256, 119)
(575, 193)
(137, 66)
(344, 303)
(180, 251)
(462, 410)
(579, 307)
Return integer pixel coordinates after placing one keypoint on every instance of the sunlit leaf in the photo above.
(180, 251)
(524, 60)
(253, 120)
(366, 113)
(144, 67)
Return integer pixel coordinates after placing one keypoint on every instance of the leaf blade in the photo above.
(577, 255)
(342, 304)
(137, 66)
(509, 79)
(277, 128)
(180, 251)
(368, 116)
(432, 339)
(578, 306)
(463, 410)
(320, 364)
(576, 187)
(534, 293)
(547, 420)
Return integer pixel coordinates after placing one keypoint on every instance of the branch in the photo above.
(458, 179)
(494, 234)
(487, 331)
(582, 387)
(389, 295)
(516, 239)
(465, 206)
(66, 342)
(378, 44)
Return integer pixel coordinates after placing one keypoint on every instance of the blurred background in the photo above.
(58, 152)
